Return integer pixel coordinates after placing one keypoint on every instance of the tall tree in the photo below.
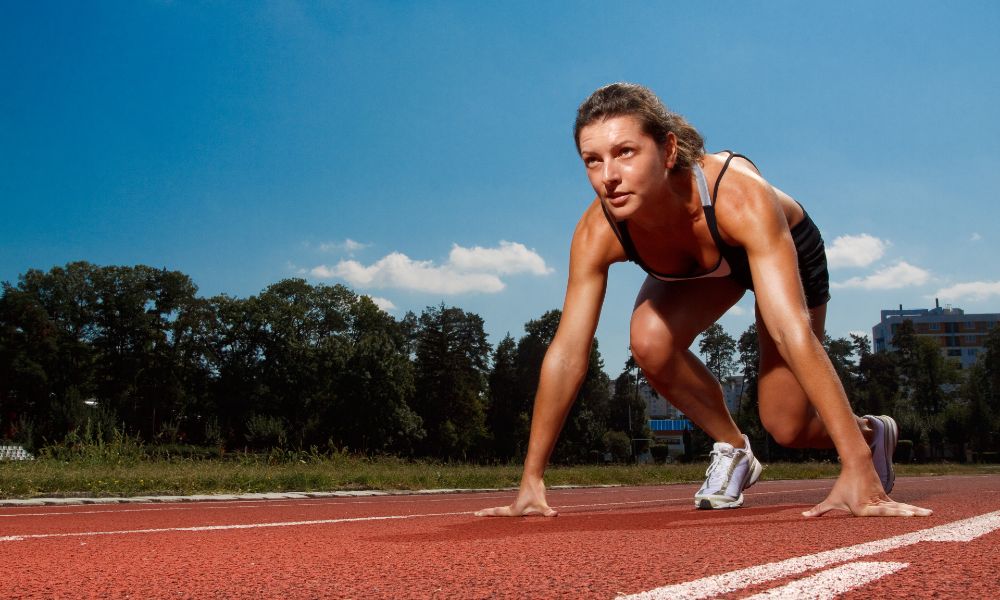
(748, 416)
(718, 349)
(929, 381)
(981, 392)
(306, 346)
(507, 417)
(627, 410)
(878, 380)
(452, 357)
(841, 354)
(376, 387)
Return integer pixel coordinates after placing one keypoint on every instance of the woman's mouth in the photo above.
(617, 200)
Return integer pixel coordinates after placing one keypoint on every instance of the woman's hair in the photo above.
(630, 99)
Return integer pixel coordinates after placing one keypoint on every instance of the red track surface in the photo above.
(606, 542)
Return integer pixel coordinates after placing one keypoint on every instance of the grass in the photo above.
(124, 476)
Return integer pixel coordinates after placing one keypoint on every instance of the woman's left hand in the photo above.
(861, 494)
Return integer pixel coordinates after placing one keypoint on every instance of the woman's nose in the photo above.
(610, 173)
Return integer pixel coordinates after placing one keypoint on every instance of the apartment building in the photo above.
(961, 336)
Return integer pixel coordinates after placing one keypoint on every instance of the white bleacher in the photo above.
(15, 453)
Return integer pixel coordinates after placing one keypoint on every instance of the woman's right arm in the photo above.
(564, 367)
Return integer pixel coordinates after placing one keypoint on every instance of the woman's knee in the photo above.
(787, 433)
(653, 345)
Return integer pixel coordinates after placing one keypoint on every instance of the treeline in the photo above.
(91, 352)
(942, 410)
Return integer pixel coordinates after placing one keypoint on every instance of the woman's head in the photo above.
(629, 99)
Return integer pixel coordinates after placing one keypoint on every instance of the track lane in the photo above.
(606, 541)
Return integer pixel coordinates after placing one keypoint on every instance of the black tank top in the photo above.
(733, 261)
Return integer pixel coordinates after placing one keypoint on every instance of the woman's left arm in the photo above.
(759, 225)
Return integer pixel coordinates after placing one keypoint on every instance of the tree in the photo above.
(113, 334)
(583, 433)
(376, 386)
(718, 348)
(627, 410)
(841, 354)
(508, 414)
(928, 385)
(46, 360)
(878, 380)
(237, 341)
(748, 417)
(981, 391)
(452, 356)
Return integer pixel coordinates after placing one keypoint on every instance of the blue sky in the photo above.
(422, 152)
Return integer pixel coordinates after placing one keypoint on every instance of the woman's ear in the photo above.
(670, 150)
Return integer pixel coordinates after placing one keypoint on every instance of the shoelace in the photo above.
(715, 473)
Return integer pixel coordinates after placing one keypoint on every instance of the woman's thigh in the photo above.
(668, 316)
(785, 410)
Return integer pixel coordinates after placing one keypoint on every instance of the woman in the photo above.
(702, 252)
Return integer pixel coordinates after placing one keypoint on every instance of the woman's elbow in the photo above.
(793, 337)
(567, 362)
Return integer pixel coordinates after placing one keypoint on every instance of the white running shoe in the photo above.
(732, 471)
(883, 446)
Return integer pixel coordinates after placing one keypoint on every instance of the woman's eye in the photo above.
(590, 161)
(626, 152)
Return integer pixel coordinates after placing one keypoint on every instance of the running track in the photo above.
(645, 542)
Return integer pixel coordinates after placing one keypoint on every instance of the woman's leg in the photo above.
(785, 410)
(668, 316)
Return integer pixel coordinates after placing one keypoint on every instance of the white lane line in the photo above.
(227, 505)
(827, 585)
(717, 585)
(36, 536)
(22, 537)
(670, 500)
(241, 504)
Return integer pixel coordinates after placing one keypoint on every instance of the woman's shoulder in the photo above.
(594, 240)
(740, 194)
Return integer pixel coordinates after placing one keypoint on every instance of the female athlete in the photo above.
(702, 251)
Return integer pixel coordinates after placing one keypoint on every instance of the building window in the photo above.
(935, 326)
(954, 352)
(970, 339)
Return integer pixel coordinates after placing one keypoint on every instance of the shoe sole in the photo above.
(890, 435)
(706, 504)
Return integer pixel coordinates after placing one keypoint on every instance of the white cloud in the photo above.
(399, 271)
(736, 310)
(855, 251)
(348, 245)
(975, 237)
(383, 303)
(900, 275)
(971, 291)
(468, 270)
(508, 259)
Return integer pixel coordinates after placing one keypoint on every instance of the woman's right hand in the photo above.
(530, 501)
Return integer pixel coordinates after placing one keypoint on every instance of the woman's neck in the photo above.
(679, 204)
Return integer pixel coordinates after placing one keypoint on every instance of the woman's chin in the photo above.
(622, 210)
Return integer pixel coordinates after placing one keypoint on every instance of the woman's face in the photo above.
(626, 167)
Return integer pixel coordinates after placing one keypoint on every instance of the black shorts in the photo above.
(812, 262)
